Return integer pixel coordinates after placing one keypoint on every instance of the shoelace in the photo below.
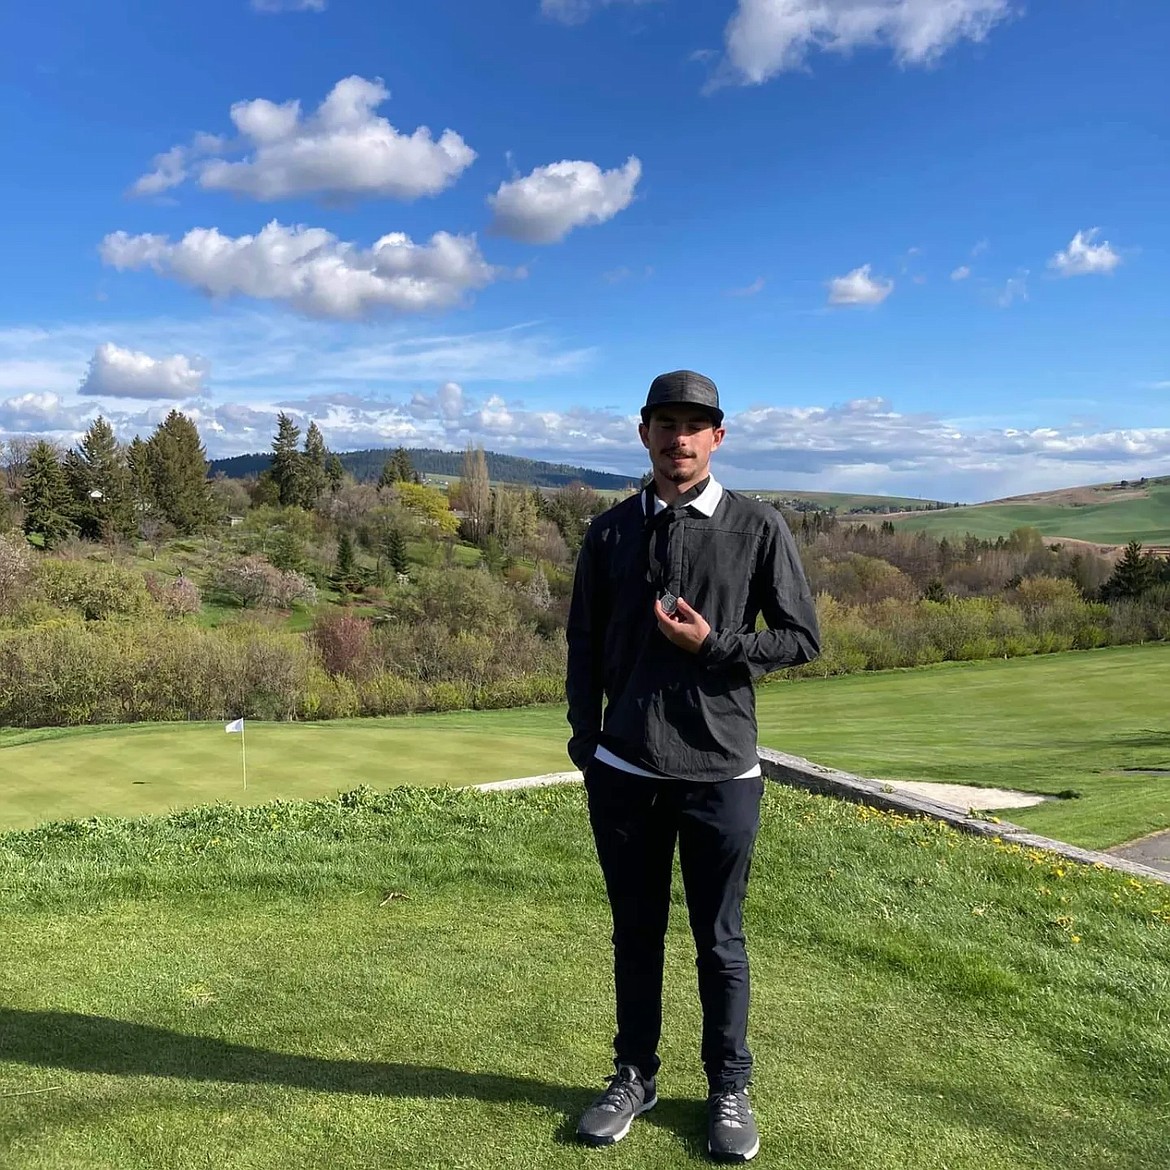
(731, 1109)
(620, 1094)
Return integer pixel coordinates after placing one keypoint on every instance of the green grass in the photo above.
(152, 768)
(237, 988)
(848, 501)
(1109, 522)
(1046, 724)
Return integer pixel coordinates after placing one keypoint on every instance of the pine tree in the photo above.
(394, 548)
(287, 551)
(313, 465)
(388, 476)
(287, 461)
(138, 470)
(178, 474)
(1132, 576)
(346, 562)
(99, 482)
(404, 467)
(45, 496)
(334, 472)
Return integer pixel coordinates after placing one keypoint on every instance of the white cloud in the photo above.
(750, 290)
(621, 274)
(766, 37)
(288, 5)
(1084, 257)
(311, 269)
(262, 356)
(545, 206)
(1015, 289)
(170, 169)
(859, 288)
(961, 273)
(344, 150)
(366, 393)
(127, 373)
(578, 11)
(42, 414)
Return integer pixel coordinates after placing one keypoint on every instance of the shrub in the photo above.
(177, 598)
(16, 569)
(95, 590)
(253, 581)
(343, 641)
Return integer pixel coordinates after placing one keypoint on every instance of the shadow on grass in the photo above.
(98, 1044)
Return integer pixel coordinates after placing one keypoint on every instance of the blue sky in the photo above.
(922, 247)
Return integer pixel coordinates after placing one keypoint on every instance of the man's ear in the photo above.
(644, 435)
(719, 432)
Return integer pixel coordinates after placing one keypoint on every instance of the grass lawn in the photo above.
(1046, 724)
(238, 988)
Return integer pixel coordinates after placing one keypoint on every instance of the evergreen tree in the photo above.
(45, 496)
(394, 548)
(287, 462)
(334, 472)
(313, 465)
(388, 476)
(178, 474)
(99, 482)
(346, 562)
(138, 472)
(287, 551)
(404, 467)
(6, 516)
(1133, 575)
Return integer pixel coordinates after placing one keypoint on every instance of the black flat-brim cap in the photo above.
(683, 388)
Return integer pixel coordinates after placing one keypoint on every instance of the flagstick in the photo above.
(244, 758)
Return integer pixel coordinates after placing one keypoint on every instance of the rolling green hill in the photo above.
(367, 465)
(847, 501)
(1114, 517)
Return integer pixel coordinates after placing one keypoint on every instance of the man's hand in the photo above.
(685, 627)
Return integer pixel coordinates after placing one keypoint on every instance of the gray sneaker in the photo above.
(609, 1118)
(731, 1128)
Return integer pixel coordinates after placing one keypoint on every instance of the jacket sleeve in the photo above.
(584, 679)
(792, 636)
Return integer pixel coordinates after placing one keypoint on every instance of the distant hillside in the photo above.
(367, 465)
(1112, 514)
(851, 502)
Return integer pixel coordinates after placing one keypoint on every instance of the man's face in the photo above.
(680, 440)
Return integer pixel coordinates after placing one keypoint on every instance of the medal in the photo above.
(669, 602)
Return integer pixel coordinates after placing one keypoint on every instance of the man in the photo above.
(668, 588)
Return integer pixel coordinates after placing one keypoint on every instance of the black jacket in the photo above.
(691, 716)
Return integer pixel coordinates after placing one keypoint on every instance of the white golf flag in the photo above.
(237, 725)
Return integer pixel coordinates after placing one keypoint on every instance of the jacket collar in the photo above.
(705, 502)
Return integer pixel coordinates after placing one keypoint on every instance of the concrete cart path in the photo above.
(1153, 851)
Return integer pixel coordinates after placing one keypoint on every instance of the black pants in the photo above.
(636, 822)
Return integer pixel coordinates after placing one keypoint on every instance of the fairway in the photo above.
(1109, 522)
(1048, 724)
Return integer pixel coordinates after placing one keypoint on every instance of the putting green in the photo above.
(1092, 721)
(153, 768)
